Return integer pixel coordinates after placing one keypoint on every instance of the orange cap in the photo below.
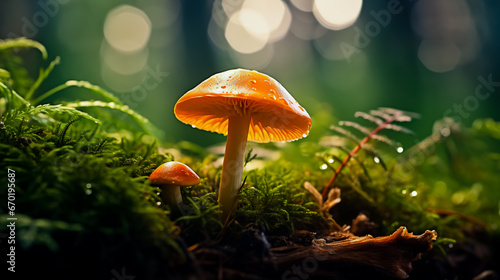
(275, 115)
(174, 173)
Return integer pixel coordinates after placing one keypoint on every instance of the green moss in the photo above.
(82, 189)
(275, 197)
(81, 193)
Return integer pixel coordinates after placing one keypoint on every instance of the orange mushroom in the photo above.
(170, 177)
(244, 105)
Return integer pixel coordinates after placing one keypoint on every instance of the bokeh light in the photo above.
(230, 6)
(124, 63)
(337, 14)
(247, 31)
(448, 33)
(127, 28)
(124, 52)
(319, 49)
(275, 13)
(439, 56)
(254, 24)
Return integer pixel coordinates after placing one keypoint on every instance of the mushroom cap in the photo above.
(275, 115)
(174, 173)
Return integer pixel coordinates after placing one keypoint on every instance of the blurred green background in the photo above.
(335, 57)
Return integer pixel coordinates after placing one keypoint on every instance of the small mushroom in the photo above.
(244, 105)
(170, 177)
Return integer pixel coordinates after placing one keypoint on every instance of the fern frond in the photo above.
(4, 74)
(399, 115)
(44, 73)
(383, 139)
(389, 115)
(11, 96)
(380, 114)
(373, 118)
(55, 111)
(399, 128)
(137, 118)
(107, 96)
(355, 125)
(332, 141)
(23, 42)
(367, 131)
(346, 133)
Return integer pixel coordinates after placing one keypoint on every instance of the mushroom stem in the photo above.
(232, 167)
(171, 195)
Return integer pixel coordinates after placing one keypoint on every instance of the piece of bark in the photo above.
(392, 254)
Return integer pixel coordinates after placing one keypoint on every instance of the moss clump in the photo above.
(79, 193)
(275, 197)
(82, 190)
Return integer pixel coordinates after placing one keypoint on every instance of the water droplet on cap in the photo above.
(253, 81)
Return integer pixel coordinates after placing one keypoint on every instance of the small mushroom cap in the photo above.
(174, 173)
(275, 115)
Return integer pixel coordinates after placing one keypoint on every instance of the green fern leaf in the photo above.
(22, 43)
(44, 73)
(107, 96)
(11, 96)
